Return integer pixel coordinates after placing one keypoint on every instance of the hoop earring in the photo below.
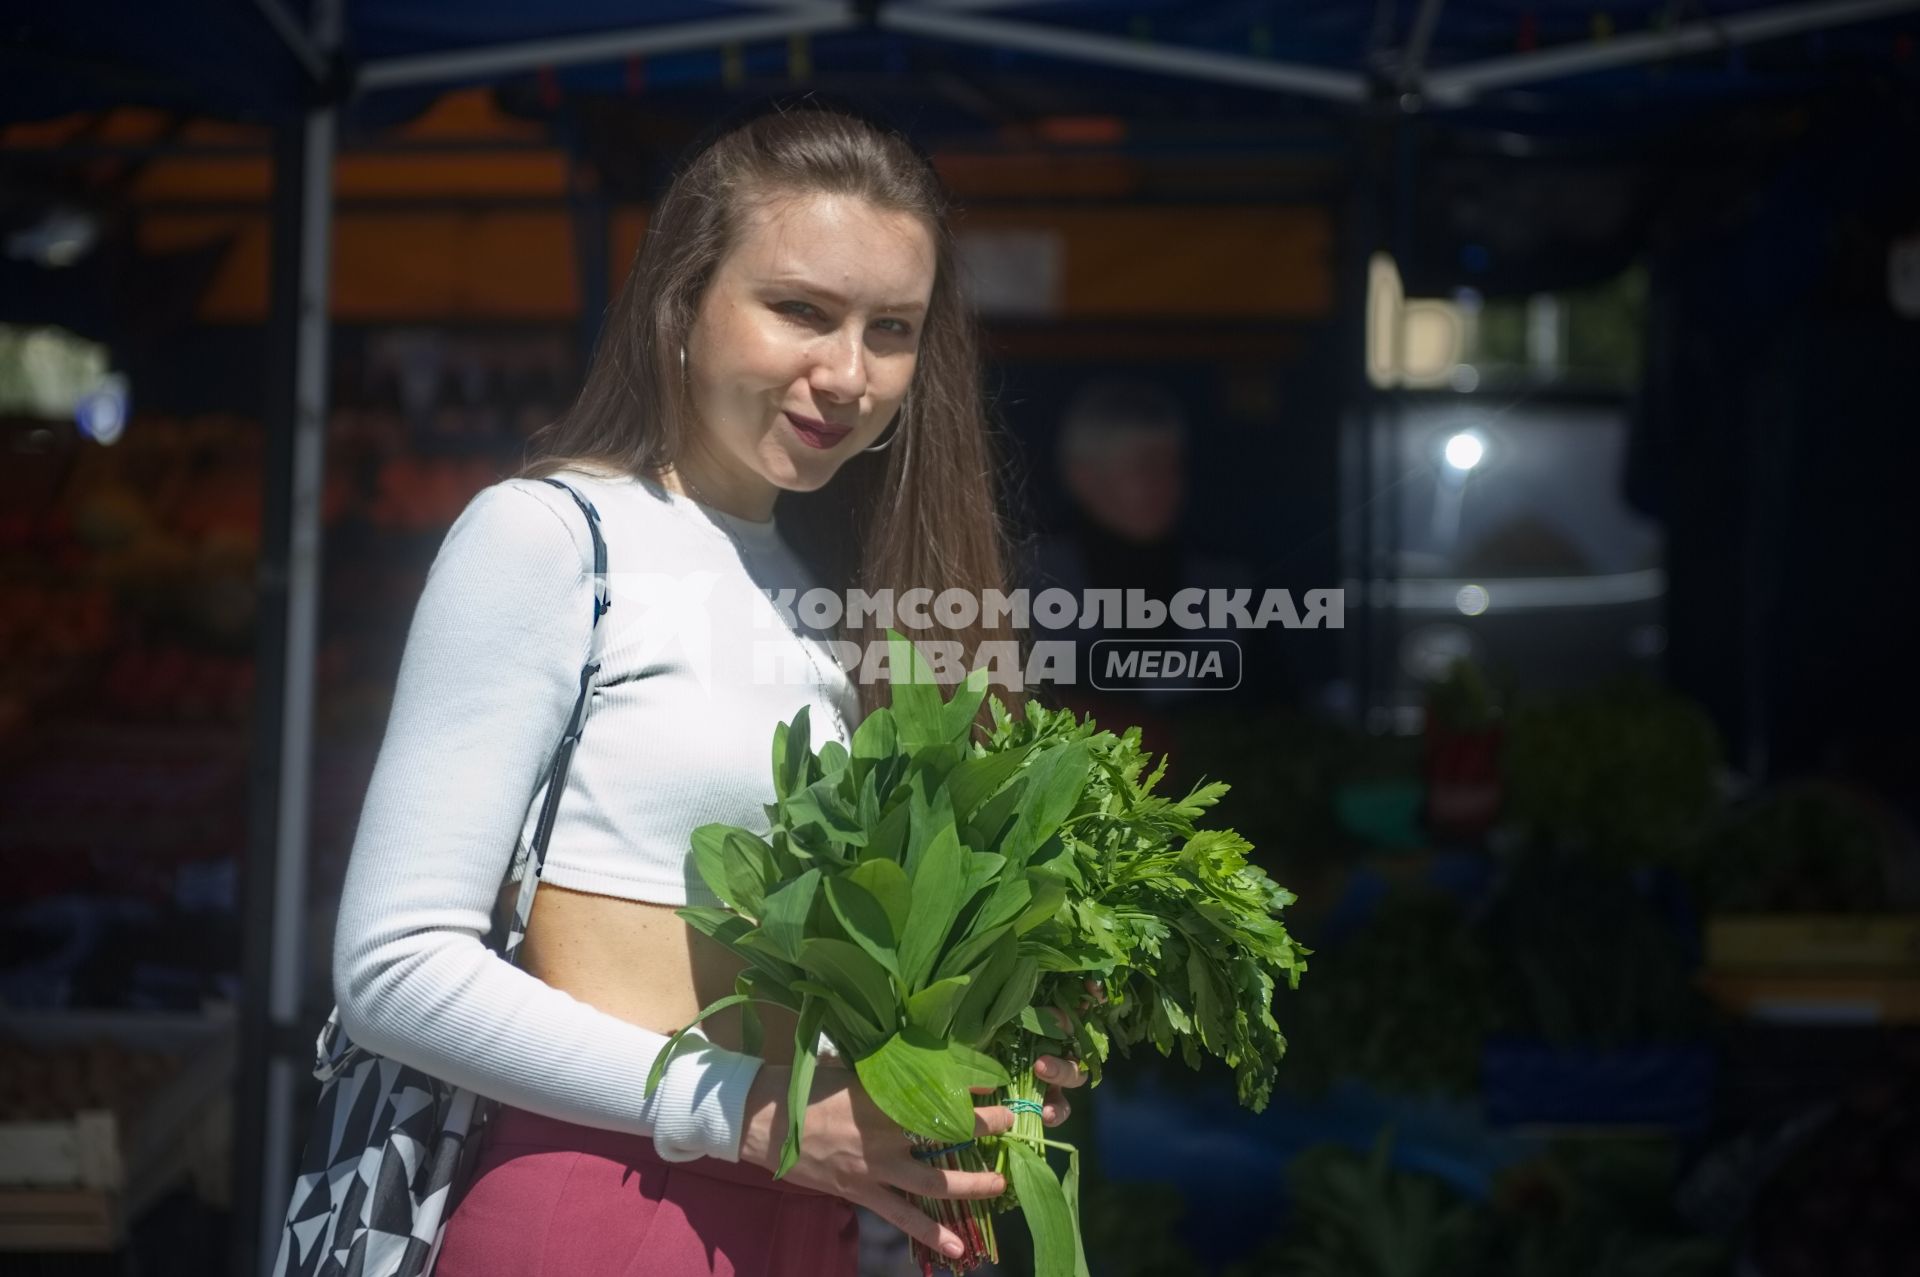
(899, 424)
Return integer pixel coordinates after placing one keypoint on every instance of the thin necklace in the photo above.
(805, 642)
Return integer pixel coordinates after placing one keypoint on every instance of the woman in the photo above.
(792, 314)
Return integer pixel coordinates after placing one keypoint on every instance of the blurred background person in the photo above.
(1121, 454)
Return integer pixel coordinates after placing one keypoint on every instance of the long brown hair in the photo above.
(925, 512)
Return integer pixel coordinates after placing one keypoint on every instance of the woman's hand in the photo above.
(854, 1150)
(1062, 1074)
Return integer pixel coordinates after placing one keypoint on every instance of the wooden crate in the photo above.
(65, 1219)
(75, 1182)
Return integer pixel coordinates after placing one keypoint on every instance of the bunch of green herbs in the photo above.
(937, 904)
(1182, 931)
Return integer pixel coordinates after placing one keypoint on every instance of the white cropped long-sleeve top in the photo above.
(697, 668)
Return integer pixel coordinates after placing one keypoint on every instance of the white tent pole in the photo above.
(1457, 84)
(1136, 55)
(286, 973)
(506, 59)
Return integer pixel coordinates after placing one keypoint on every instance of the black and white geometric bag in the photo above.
(389, 1145)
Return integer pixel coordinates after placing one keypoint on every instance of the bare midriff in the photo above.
(637, 961)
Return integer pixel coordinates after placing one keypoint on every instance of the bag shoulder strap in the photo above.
(556, 780)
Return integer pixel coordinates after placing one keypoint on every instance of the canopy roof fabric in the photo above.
(255, 59)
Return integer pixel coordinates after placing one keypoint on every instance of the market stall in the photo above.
(336, 453)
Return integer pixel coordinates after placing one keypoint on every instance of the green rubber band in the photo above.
(928, 1154)
(1026, 1106)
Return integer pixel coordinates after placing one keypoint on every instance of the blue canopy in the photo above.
(979, 61)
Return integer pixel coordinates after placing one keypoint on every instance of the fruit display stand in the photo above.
(101, 1113)
(128, 600)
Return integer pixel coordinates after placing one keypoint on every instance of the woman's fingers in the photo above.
(931, 1181)
(911, 1220)
(1096, 993)
(993, 1119)
(928, 1181)
(1051, 1068)
(1061, 1074)
(1056, 1109)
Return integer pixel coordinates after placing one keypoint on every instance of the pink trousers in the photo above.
(552, 1199)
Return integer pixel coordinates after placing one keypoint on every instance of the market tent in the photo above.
(270, 57)
(1558, 64)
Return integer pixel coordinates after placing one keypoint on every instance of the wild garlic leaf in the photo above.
(919, 1085)
(916, 702)
(853, 976)
(806, 1040)
(822, 804)
(717, 924)
(934, 906)
(975, 780)
(792, 755)
(957, 714)
(887, 883)
(977, 1068)
(710, 861)
(932, 1008)
(788, 911)
(1044, 1203)
(864, 918)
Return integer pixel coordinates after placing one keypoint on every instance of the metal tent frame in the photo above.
(273, 1044)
